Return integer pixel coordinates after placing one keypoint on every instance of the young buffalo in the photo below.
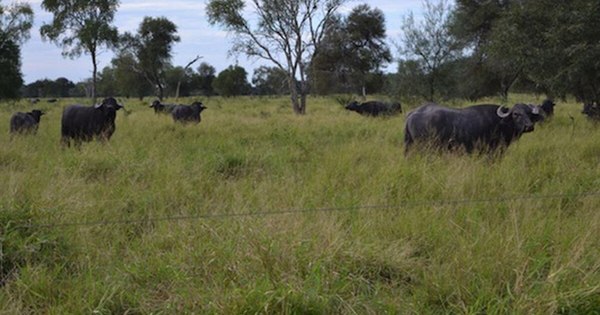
(188, 113)
(25, 122)
(375, 108)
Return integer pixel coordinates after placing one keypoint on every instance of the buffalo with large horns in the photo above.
(485, 127)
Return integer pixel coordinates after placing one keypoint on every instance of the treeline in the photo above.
(118, 79)
(468, 50)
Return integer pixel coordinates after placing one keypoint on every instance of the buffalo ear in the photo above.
(97, 106)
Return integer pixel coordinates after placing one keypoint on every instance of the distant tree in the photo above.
(60, 87)
(494, 64)
(205, 77)
(430, 42)
(15, 23)
(352, 52)
(287, 33)
(82, 89)
(82, 27)
(63, 86)
(270, 81)
(565, 60)
(232, 81)
(128, 82)
(107, 83)
(549, 46)
(152, 46)
(11, 79)
(175, 76)
(410, 81)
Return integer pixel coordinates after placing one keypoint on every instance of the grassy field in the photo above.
(460, 234)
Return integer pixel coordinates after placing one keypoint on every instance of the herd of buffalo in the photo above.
(482, 128)
(85, 123)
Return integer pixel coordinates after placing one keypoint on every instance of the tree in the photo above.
(232, 81)
(430, 42)
(206, 76)
(82, 27)
(11, 79)
(270, 81)
(107, 83)
(352, 53)
(152, 46)
(366, 31)
(15, 23)
(178, 81)
(567, 46)
(553, 44)
(187, 73)
(495, 64)
(60, 87)
(287, 33)
(128, 82)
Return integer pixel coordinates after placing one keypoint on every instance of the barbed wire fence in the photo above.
(291, 211)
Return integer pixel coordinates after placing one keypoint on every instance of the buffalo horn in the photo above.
(500, 112)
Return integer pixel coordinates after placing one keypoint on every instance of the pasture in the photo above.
(343, 222)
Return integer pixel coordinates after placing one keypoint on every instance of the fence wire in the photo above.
(273, 212)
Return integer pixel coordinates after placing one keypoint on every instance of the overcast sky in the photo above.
(44, 60)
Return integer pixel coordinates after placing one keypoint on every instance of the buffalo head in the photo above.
(109, 102)
(521, 115)
(36, 113)
(352, 106)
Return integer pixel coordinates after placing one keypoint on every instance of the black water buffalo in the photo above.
(592, 110)
(84, 123)
(485, 127)
(548, 107)
(160, 108)
(375, 108)
(188, 113)
(25, 122)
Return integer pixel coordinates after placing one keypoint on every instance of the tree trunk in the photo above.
(94, 73)
(160, 91)
(297, 105)
(431, 88)
(183, 75)
(302, 109)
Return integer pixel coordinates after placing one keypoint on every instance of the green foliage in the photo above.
(172, 77)
(553, 45)
(270, 81)
(204, 79)
(152, 47)
(10, 63)
(351, 53)
(81, 26)
(128, 81)
(61, 87)
(430, 43)
(232, 81)
(15, 23)
(287, 33)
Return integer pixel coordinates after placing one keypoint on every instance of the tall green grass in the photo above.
(252, 155)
